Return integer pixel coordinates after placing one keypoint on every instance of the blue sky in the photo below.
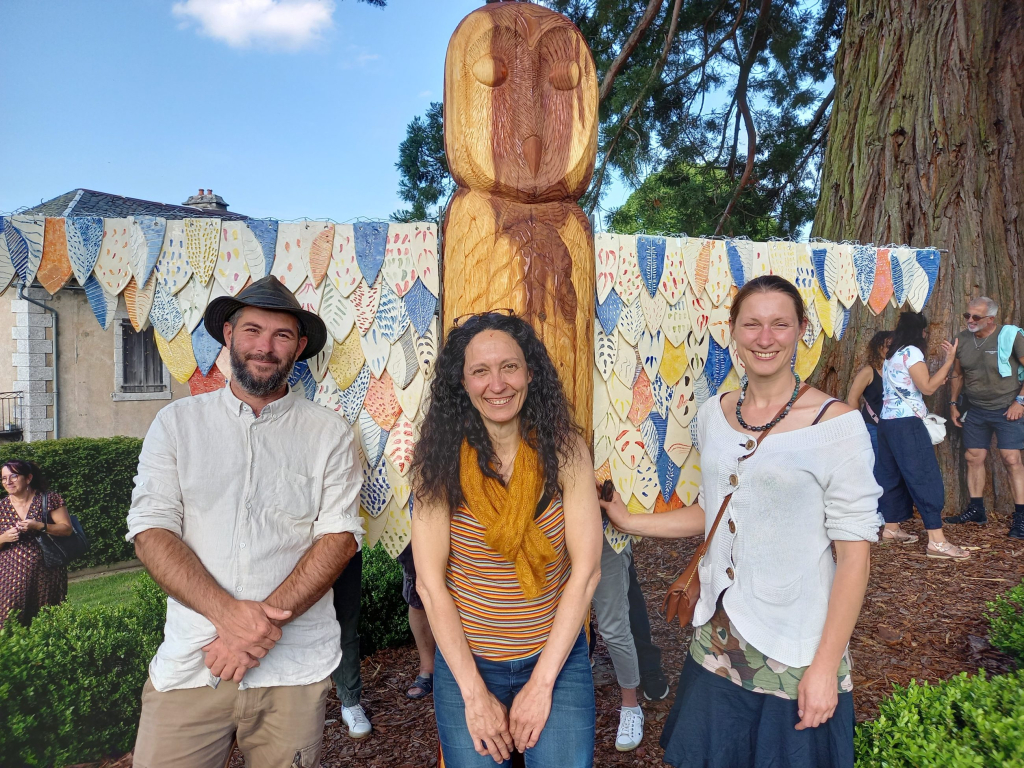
(286, 108)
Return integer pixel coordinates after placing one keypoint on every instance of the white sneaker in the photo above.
(631, 729)
(358, 724)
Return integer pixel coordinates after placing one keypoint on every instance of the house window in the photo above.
(139, 373)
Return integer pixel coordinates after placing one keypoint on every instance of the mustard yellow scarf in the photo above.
(506, 513)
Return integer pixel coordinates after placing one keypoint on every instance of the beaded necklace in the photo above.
(777, 419)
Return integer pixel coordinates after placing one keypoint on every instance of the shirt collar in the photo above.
(271, 410)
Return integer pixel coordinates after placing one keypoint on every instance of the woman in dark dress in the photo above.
(867, 384)
(26, 585)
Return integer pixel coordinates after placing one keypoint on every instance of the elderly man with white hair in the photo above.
(989, 370)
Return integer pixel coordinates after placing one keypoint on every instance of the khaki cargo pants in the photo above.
(279, 727)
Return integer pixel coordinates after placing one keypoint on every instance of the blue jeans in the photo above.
(873, 434)
(909, 473)
(567, 740)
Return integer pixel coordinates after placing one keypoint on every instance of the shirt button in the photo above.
(750, 444)
(239, 589)
(732, 528)
(733, 480)
(243, 545)
(728, 572)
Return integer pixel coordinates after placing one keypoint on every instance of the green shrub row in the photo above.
(95, 477)
(1005, 617)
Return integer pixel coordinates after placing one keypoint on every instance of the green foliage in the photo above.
(95, 477)
(425, 181)
(963, 722)
(71, 681)
(383, 615)
(104, 591)
(1005, 617)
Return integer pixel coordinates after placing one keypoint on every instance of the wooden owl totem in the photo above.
(520, 130)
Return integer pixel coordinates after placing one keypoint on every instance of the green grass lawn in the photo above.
(110, 590)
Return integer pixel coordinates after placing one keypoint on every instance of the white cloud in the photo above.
(288, 24)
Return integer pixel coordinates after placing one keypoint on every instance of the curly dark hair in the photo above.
(545, 422)
(876, 347)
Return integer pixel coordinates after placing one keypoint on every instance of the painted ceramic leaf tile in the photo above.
(643, 400)
(629, 445)
(823, 309)
(662, 393)
(684, 403)
(327, 393)
(376, 490)
(31, 227)
(232, 269)
(401, 487)
(421, 305)
(602, 400)
(673, 276)
(112, 268)
(737, 364)
(309, 296)
(205, 348)
(700, 314)
(832, 268)
(606, 250)
(370, 239)
(347, 360)
(301, 380)
(846, 281)
(701, 390)
(376, 350)
(616, 539)
(173, 269)
(353, 396)
(374, 528)
(928, 260)
(882, 290)
(365, 299)
(840, 320)
(411, 397)
(372, 438)
(606, 348)
(623, 475)
(7, 270)
(397, 532)
(731, 383)
(677, 321)
(915, 281)
(732, 251)
(424, 256)
(805, 280)
(165, 314)
(604, 437)
(265, 232)
(84, 238)
(381, 402)
(177, 353)
(652, 352)
(784, 259)
(144, 259)
(628, 281)
(718, 365)
(654, 428)
(192, 299)
(402, 365)
(336, 311)
(677, 441)
(621, 396)
(391, 317)
(139, 301)
(321, 243)
(399, 270)
(688, 486)
(103, 304)
(632, 323)
(674, 363)
(609, 311)
(650, 254)
(343, 271)
(398, 448)
(426, 349)
(747, 253)
(719, 280)
(223, 364)
(807, 358)
(291, 254)
(695, 262)
(319, 364)
(198, 384)
(627, 363)
(668, 476)
(55, 266)
(718, 323)
(202, 245)
(645, 489)
(899, 281)
(865, 257)
(819, 258)
(654, 308)
(760, 264)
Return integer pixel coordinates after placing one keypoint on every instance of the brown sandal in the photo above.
(899, 536)
(947, 551)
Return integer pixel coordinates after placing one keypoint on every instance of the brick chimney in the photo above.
(207, 201)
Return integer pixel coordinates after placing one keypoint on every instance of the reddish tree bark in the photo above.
(926, 147)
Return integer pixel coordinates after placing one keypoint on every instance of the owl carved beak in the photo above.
(532, 153)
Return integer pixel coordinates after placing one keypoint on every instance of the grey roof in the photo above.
(88, 202)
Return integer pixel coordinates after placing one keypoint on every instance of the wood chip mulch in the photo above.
(922, 619)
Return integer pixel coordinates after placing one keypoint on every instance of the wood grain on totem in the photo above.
(521, 139)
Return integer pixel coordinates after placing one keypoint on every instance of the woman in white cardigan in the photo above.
(767, 680)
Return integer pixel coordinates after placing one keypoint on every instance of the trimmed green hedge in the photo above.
(383, 614)
(964, 722)
(1005, 617)
(95, 477)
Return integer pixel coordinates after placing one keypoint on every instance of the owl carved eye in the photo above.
(565, 75)
(490, 70)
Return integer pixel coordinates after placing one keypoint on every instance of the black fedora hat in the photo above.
(267, 293)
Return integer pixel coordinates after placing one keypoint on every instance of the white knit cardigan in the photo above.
(796, 494)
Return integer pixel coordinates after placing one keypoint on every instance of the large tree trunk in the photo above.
(926, 147)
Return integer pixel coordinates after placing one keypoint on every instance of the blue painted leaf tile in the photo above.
(421, 305)
(265, 231)
(662, 395)
(370, 240)
(103, 305)
(654, 428)
(818, 258)
(165, 314)
(650, 253)
(353, 396)
(928, 258)
(391, 318)
(85, 234)
(717, 367)
(899, 285)
(153, 228)
(668, 475)
(302, 380)
(735, 263)
(205, 348)
(608, 312)
(865, 259)
(17, 247)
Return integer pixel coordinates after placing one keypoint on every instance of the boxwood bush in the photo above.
(965, 721)
(383, 614)
(1005, 617)
(95, 477)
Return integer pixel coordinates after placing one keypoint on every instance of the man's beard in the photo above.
(250, 382)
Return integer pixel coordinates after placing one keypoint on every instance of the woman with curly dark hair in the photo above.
(867, 384)
(507, 543)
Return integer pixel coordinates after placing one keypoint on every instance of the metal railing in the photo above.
(11, 414)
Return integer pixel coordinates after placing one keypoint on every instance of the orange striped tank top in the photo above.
(500, 623)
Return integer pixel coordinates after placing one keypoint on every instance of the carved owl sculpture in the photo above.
(520, 128)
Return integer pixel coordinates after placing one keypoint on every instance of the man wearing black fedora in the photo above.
(245, 511)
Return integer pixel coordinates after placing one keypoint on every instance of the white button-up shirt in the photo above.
(249, 496)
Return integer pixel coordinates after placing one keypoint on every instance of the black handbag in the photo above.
(58, 551)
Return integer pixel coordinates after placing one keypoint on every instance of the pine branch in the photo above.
(653, 7)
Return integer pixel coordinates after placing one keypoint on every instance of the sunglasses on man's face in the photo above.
(975, 318)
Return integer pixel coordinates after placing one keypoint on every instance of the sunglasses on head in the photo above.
(975, 318)
(463, 319)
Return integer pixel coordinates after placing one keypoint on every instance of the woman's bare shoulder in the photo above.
(814, 398)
